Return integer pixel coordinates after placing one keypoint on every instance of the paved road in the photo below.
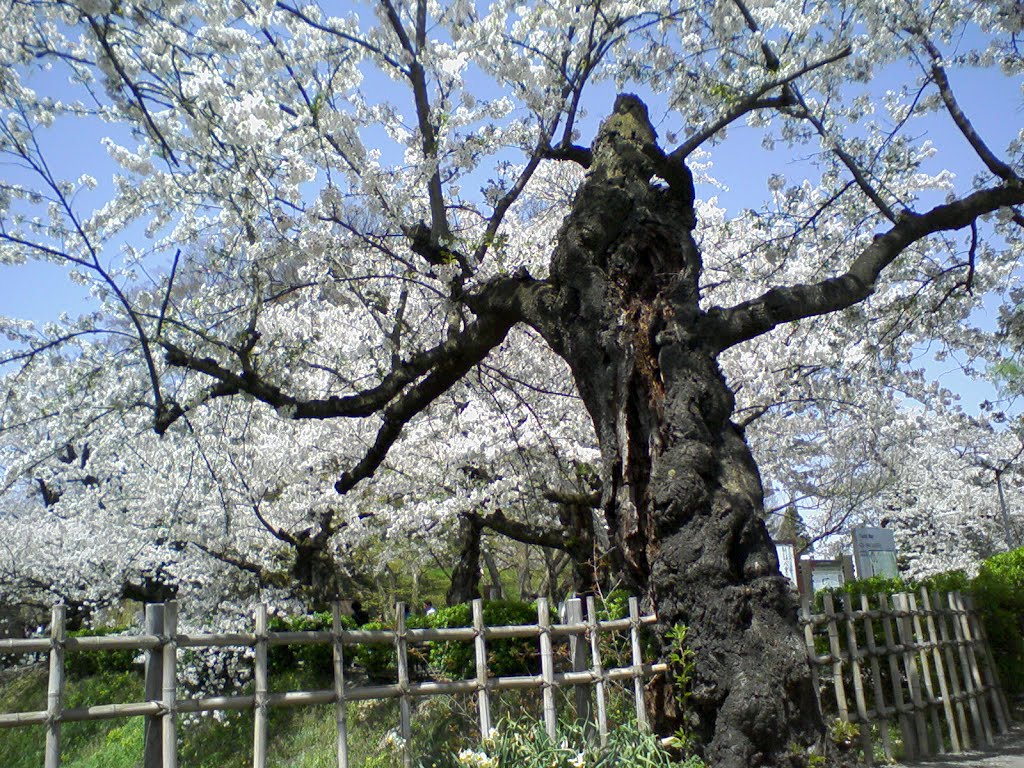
(1007, 753)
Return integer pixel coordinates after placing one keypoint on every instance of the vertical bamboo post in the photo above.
(595, 655)
(578, 655)
(55, 685)
(895, 678)
(812, 654)
(858, 682)
(981, 734)
(940, 669)
(169, 686)
(910, 666)
(547, 669)
(259, 740)
(482, 693)
(638, 661)
(929, 689)
(948, 645)
(999, 704)
(404, 708)
(837, 659)
(972, 663)
(340, 708)
(876, 677)
(153, 677)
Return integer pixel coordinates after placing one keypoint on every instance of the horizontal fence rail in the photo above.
(922, 669)
(161, 643)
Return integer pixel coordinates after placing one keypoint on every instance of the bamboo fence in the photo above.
(920, 670)
(162, 641)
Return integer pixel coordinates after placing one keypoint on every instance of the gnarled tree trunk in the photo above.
(465, 582)
(682, 494)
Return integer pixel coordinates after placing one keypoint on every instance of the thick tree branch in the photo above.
(488, 333)
(574, 152)
(439, 232)
(498, 306)
(993, 163)
(731, 326)
(755, 101)
(522, 532)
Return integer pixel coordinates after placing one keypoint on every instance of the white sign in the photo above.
(826, 576)
(874, 552)
(787, 562)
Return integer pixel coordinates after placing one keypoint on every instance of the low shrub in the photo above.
(999, 596)
(514, 656)
(317, 658)
(378, 659)
(81, 664)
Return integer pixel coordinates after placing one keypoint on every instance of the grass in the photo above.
(299, 738)
(97, 744)
(304, 737)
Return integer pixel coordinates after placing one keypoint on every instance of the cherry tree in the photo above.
(357, 223)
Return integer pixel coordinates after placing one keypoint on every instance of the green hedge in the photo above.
(999, 596)
(515, 656)
(318, 658)
(82, 664)
(454, 660)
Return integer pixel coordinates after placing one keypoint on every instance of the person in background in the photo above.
(428, 608)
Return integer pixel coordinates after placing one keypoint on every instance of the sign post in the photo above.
(874, 553)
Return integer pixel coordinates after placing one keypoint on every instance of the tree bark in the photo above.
(682, 495)
(465, 583)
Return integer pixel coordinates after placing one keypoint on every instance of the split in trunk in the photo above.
(681, 494)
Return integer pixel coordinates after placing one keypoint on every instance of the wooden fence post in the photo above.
(906, 634)
(999, 704)
(948, 644)
(980, 732)
(837, 659)
(595, 655)
(895, 679)
(151, 757)
(812, 654)
(55, 686)
(940, 669)
(547, 669)
(404, 707)
(578, 655)
(170, 683)
(259, 740)
(480, 647)
(972, 663)
(638, 661)
(340, 708)
(876, 678)
(926, 668)
(858, 681)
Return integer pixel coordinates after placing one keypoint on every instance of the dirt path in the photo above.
(1008, 752)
